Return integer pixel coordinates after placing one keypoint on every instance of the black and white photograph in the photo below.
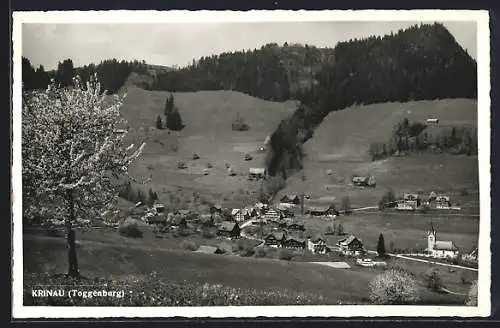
(244, 164)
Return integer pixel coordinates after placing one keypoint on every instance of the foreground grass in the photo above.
(260, 281)
(149, 291)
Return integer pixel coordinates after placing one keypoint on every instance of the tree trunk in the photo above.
(70, 237)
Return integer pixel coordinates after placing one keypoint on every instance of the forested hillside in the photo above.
(272, 72)
(420, 63)
(111, 73)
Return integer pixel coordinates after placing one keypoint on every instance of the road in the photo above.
(426, 261)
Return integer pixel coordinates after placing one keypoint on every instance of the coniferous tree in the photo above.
(381, 246)
(159, 122)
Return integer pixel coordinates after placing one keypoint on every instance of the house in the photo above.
(251, 211)
(286, 209)
(364, 181)
(271, 214)
(432, 121)
(294, 243)
(330, 211)
(351, 245)
(442, 202)
(317, 245)
(409, 202)
(209, 250)
(159, 208)
(256, 173)
(291, 199)
(240, 215)
(438, 248)
(275, 239)
(229, 229)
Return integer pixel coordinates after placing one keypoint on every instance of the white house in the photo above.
(439, 248)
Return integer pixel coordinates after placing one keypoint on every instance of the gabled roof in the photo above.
(290, 197)
(277, 235)
(408, 196)
(259, 170)
(347, 241)
(293, 238)
(445, 246)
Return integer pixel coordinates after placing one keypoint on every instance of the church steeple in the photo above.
(431, 238)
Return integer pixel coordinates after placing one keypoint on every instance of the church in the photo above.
(438, 248)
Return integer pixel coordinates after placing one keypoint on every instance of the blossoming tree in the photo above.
(73, 154)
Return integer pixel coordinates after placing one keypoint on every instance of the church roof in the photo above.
(445, 246)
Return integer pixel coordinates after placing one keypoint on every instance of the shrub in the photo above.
(207, 233)
(189, 245)
(472, 296)
(260, 252)
(209, 165)
(239, 124)
(130, 228)
(196, 156)
(394, 286)
(285, 254)
(181, 165)
(433, 279)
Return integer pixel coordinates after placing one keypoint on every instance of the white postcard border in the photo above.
(130, 16)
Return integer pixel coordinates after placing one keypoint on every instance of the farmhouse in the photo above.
(330, 211)
(409, 202)
(317, 245)
(440, 249)
(291, 199)
(294, 243)
(275, 239)
(350, 246)
(229, 229)
(442, 202)
(240, 214)
(432, 121)
(256, 173)
(271, 214)
(158, 208)
(364, 181)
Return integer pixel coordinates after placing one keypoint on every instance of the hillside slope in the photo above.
(207, 116)
(340, 144)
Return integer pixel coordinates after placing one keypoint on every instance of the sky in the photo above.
(179, 43)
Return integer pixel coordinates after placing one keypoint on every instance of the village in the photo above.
(281, 228)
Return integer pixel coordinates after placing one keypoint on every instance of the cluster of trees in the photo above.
(335, 230)
(408, 137)
(272, 72)
(127, 191)
(421, 62)
(111, 73)
(387, 200)
(173, 120)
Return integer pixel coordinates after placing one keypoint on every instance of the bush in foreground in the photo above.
(152, 291)
(472, 297)
(130, 228)
(189, 245)
(394, 286)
